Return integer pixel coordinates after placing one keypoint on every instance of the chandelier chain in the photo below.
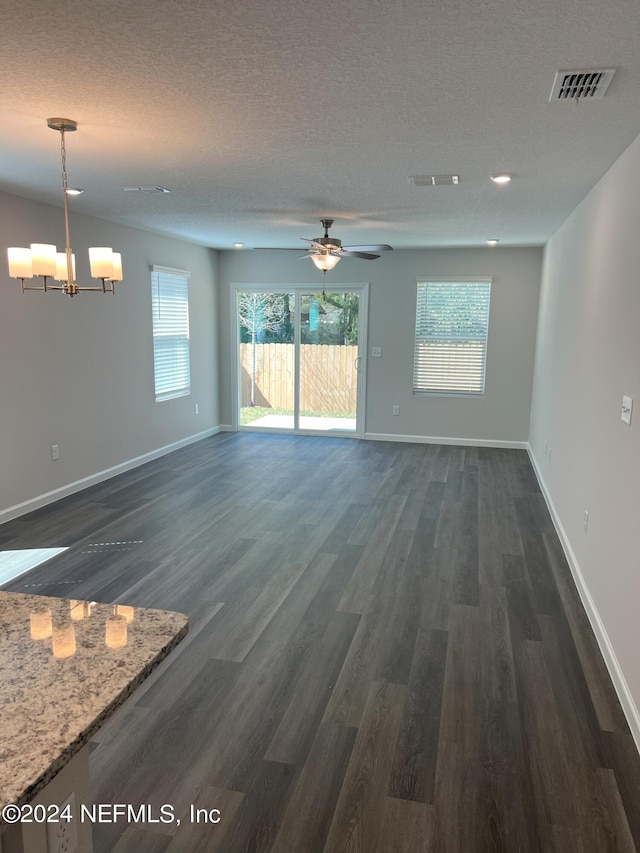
(63, 156)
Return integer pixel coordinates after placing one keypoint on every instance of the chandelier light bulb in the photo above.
(116, 632)
(63, 643)
(41, 624)
(43, 256)
(62, 272)
(101, 261)
(20, 263)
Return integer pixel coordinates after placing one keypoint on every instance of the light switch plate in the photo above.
(627, 406)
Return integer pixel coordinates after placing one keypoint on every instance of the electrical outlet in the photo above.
(62, 837)
(376, 352)
(627, 407)
(396, 410)
(55, 452)
(586, 521)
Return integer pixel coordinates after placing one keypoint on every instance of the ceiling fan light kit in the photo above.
(326, 251)
(42, 260)
(325, 261)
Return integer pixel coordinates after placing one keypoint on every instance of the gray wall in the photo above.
(79, 372)
(500, 416)
(587, 357)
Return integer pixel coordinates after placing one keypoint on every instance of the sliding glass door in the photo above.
(266, 393)
(299, 355)
(329, 360)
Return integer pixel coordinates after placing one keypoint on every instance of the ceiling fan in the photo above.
(326, 251)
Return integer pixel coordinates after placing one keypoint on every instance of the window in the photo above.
(170, 307)
(452, 323)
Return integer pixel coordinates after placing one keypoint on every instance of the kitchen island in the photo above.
(65, 667)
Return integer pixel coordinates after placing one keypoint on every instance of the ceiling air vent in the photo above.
(433, 180)
(148, 189)
(585, 85)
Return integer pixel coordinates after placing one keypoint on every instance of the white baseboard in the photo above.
(430, 439)
(77, 486)
(615, 671)
(411, 439)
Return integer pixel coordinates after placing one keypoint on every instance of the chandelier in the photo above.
(44, 261)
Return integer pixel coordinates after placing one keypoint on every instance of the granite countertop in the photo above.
(57, 691)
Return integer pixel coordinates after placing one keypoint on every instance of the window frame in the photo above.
(176, 289)
(419, 386)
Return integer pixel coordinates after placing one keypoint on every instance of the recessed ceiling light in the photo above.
(492, 242)
(238, 245)
(501, 179)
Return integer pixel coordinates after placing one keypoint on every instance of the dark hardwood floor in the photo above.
(387, 653)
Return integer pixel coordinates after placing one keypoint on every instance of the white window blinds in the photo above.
(452, 325)
(170, 307)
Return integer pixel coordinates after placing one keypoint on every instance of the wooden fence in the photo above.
(328, 377)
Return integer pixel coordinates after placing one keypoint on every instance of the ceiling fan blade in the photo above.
(380, 247)
(367, 256)
(315, 245)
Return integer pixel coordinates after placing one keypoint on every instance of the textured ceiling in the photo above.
(262, 116)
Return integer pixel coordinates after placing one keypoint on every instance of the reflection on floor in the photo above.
(16, 563)
(318, 424)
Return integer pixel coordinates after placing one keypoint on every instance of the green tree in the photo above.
(259, 313)
(339, 317)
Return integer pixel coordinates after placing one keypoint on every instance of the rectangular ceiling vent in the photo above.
(433, 180)
(147, 189)
(585, 85)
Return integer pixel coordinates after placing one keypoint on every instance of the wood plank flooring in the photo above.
(387, 653)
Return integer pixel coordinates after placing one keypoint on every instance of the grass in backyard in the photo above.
(252, 413)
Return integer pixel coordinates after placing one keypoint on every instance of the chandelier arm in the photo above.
(44, 287)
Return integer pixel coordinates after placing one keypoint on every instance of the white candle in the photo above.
(43, 256)
(20, 264)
